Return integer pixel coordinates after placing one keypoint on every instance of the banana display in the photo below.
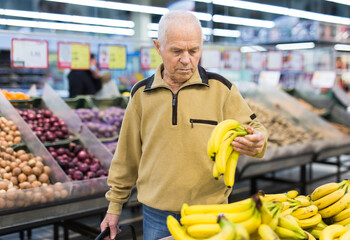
(324, 215)
(221, 151)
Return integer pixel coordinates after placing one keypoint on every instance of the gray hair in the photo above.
(178, 16)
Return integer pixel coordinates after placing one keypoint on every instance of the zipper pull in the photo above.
(174, 101)
(191, 120)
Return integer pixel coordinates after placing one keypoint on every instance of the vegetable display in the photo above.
(45, 124)
(11, 95)
(9, 133)
(103, 124)
(111, 146)
(77, 162)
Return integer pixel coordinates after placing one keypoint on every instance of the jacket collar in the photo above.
(200, 77)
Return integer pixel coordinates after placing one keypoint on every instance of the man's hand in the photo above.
(250, 144)
(110, 221)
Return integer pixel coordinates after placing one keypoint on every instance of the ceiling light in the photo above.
(226, 33)
(243, 21)
(346, 2)
(67, 27)
(294, 46)
(342, 47)
(283, 11)
(67, 18)
(246, 49)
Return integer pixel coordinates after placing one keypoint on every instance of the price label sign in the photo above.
(323, 79)
(28, 53)
(112, 56)
(211, 58)
(269, 78)
(73, 56)
(232, 59)
(150, 58)
(274, 60)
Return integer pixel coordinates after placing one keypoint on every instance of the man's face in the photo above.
(181, 52)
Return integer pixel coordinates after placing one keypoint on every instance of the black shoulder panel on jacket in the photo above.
(144, 82)
(220, 78)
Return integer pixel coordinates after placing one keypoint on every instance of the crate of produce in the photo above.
(79, 102)
(120, 102)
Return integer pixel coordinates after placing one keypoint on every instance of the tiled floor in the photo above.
(134, 215)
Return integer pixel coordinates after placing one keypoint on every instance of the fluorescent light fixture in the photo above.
(207, 31)
(345, 2)
(342, 47)
(256, 48)
(203, 16)
(205, 1)
(283, 11)
(67, 27)
(68, 18)
(243, 21)
(153, 26)
(295, 46)
(153, 34)
(226, 33)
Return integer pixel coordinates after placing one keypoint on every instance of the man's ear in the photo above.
(157, 45)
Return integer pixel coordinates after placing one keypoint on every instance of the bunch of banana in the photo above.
(221, 151)
(267, 233)
(316, 230)
(342, 218)
(288, 228)
(244, 213)
(270, 212)
(227, 230)
(331, 198)
(335, 232)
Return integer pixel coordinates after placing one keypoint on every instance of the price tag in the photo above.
(112, 57)
(232, 59)
(150, 58)
(269, 78)
(323, 79)
(254, 61)
(28, 53)
(73, 56)
(211, 58)
(274, 60)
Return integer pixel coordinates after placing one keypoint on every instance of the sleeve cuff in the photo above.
(115, 208)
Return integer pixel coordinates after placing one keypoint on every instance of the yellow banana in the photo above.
(203, 230)
(178, 232)
(216, 174)
(342, 215)
(309, 236)
(280, 197)
(324, 190)
(241, 216)
(289, 222)
(336, 207)
(304, 201)
(329, 199)
(228, 230)
(241, 232)
(194, 219)
(345, 236)
(286, 212)
(266, 233)
(252, 223)
(183, 209)
(217, 135)
(235, 207)
(224, 152)
(332, 231)
(288, 234)
(316, 233)
(344, 222)
(286, 205)
(305, 212)
(230, 171)
(310, 222)
(292, 193)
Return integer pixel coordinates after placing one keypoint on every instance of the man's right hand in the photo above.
(110, 221)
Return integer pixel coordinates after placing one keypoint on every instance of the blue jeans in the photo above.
(154, 223)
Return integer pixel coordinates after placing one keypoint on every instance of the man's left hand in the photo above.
(250, 144)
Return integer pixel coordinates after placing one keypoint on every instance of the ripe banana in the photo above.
(289, 222)
(280, 197)
(266, 233)
(195, 219)
(228, 230)
(230, 171)
(310, 222)
(309, 236)
(286, 212)
(342, 215)
(332, 232)
(345, 236)
(303, 201)
(235, 207)
(241, 216)
(305, 212)
(288, 234)
(203, 230)
(216, 174)
(292, 193)
(252, 223)
(178, 232)
(325, 189)
(183, 209)
(217, 134)
(336, 207)
(344, 222)
(241, 232)
(224, 152)
(329, 199)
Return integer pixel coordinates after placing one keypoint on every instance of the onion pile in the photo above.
(9, 133)
(103, 124)
(77, 162)
(111, 146)
(45, 124)
(20, 170)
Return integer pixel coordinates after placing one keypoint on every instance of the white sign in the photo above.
(274, 60)
(211, 58)
(323, 79)
(28, 53)
(269, 78)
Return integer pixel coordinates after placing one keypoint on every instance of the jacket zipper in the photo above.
(174, 118)
(202, 121)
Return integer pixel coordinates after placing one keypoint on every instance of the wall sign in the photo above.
(73, 56)
(254, 61)
(150, 59)
(269, 78)
(274, 60)
(111, 56)
(232, 59)
(28, 53)
(323, 79)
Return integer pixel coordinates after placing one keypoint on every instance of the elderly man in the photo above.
(168, 121)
